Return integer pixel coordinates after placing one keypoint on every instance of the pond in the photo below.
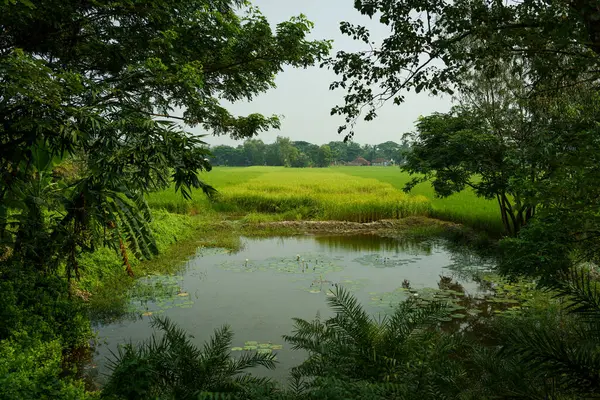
(259, 289)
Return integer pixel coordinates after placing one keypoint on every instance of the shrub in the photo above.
(31, 369)
(173, 368)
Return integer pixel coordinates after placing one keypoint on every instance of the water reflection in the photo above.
(364, 243)
(259, 289)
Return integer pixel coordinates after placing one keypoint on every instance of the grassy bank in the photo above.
(178, 238)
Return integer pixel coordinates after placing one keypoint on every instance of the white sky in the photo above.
(303, 96)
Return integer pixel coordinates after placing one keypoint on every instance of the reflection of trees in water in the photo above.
(466, 263)
(477, 309)
(468, 313)
(374, 242)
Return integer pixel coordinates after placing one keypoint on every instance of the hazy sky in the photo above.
(303, 97)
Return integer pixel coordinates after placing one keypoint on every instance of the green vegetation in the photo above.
(271, 198)
(464, 207)
(173, 368)
(322, 195)
(301, 154)
(89, 92)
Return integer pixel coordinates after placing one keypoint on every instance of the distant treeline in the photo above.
(285, 152)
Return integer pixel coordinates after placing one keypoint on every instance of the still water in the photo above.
(259, 289)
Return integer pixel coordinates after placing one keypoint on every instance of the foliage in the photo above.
(173, 368)
(399, 356)
(31, 369)
(432, 43)
(300, 154)
(324, 156)
(559, 349)
(100, 86)
(41, 306)
(92, 81)
(455, 151)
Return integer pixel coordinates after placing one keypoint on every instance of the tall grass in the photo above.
(464, 207)
(321, 194)
(220, 178)
(340, 193)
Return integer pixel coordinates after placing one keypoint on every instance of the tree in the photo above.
(324, 156)
(283, 152)
(228, 156)
(353, 151)
(456, 151)
(495, 143)
(254, 150)
(311, 150)
(432, 43)
(388, 150)
(367, 152)
(102, 81)
(300, 160)
(338, 151)
(272, 155)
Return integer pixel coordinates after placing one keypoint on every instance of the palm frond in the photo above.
(582, 292)
(576, 366)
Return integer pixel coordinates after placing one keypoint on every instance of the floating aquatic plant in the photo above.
(203, 251)
(153, 294)
(307, 263)
(385, 261)
(260, 348)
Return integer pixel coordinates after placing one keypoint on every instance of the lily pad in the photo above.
(305, 263)
(384, 260)
(249, 348)
(264, 351)
(237, 349)
(250, 343)
(276, 347)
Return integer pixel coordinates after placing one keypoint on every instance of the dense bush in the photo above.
(42, 306)
(31, 369)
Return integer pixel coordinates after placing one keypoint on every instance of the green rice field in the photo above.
(358, 194)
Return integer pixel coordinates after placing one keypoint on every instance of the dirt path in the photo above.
(344, 227)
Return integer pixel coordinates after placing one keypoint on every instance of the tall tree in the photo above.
(338, 150)
(495, 143)
(353, 151)
(254, 150)
(228, 156)
(324, 156)
(388, 150)
(427, 47)
(103, 81)
(311, 150)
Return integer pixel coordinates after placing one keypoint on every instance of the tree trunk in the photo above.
(125, 258)
(505, 221)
